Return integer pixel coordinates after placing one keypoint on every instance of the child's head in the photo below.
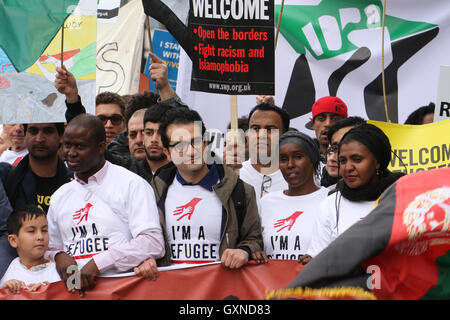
(28, 233)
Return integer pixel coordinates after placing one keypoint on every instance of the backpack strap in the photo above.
(238, 197)
(12, 185)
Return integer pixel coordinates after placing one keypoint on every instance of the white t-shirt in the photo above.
(325, 230)
(193, 221)
(13, 157)
(254, 178)
(85, 220)
(287, 223)
(41, 273)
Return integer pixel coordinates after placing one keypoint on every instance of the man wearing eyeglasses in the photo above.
(330, 175)
(199, 217)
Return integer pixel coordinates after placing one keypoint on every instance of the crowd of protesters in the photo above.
(137, 186)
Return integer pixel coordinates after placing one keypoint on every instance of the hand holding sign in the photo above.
(159, 74)
(88, 274)
(147, 269)
(262, 98)
(66, 84)
(234, 258)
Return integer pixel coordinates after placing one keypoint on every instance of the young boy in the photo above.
(28, 233)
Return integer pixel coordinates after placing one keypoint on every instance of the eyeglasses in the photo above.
(332, 149)
(115, 119)
(182, 146)
(266, 184)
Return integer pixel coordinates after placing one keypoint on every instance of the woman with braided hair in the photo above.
(363, 157)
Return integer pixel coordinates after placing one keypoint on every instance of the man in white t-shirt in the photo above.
(198, 211)
(18, 149)
(267, 123)
(106, 219)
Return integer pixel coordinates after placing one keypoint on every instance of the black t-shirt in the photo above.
(45, 187)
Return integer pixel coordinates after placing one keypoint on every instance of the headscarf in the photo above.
(306, 143)
(374, 139)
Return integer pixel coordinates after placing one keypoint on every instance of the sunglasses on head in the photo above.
(115, 119)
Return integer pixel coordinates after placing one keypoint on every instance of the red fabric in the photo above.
(213, 282)
(408, 264)
(144, 83)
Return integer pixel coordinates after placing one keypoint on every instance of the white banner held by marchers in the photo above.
(119, 51)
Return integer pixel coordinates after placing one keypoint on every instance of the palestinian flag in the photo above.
(27, 27)
(399, 251)
(161, 11)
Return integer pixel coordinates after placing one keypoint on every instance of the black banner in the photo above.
(233, 46)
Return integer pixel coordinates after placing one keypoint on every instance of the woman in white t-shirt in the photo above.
(363, 157)
(287, 216)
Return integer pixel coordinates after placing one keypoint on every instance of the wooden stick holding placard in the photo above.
(382, 64)
(279, 23)
(149, 32)
(62, 45)
(234, 123)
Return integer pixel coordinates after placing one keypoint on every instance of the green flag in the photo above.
(27, 27)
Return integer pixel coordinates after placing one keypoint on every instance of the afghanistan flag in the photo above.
(27, 27)
(399, 251)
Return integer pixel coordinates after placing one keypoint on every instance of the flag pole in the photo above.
(382, 67)
(62, 45)
(279, 23)
(234, 123)
(149, 32)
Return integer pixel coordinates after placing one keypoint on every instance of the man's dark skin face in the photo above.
(323, 122)
(84, 155)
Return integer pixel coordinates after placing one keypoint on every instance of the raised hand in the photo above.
(66, 84)
(160, 75)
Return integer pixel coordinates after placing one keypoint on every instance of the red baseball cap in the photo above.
(327, 104)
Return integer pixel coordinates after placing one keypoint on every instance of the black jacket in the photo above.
(20, 182)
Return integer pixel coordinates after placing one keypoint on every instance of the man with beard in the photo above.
(154, 150)
(325, 112)
(155, 157)
(40, 172)
(34, 179)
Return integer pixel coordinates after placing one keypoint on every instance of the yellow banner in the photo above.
(418, 147)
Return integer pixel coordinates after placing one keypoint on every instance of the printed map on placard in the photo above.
(30, 96)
